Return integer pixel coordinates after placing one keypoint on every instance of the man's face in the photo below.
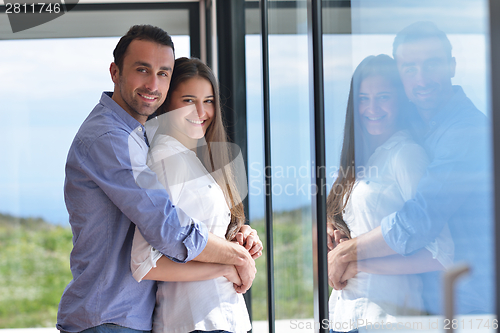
(426, 72)
(142, 84)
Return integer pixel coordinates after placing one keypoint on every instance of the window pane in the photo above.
(410, 149)
(255, 129)
(291, 156)
(290, 159)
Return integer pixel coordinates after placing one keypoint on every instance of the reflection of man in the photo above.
(453, 190)
(103, 198)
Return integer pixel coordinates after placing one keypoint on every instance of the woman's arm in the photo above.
(420, 262)
(147, 263)
(167, 270)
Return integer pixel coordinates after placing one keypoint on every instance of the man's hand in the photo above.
(350, 272)
(248, 238)
(221, 251)
(232, 276)
(246, 271)
(338, 261)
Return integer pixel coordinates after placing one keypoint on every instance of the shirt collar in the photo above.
(107, 101)
(131, 122)
(451, 108)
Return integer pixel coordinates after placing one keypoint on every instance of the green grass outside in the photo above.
(293, 276)
(34, 269)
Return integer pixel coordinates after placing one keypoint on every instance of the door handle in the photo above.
(449, 278)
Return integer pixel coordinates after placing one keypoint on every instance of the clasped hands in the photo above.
(342, 258)
(242, 276)
(248, 238)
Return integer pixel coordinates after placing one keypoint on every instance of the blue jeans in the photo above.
(353, 331)
(110, 328)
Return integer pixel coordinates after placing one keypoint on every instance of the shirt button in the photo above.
(367, 182)
(433, 123)
(228, 214)
(140, 129)
(209, 186)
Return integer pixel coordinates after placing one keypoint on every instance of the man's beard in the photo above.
(134, 104)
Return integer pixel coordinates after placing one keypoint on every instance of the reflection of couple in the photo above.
(111, 182)
(415, 210)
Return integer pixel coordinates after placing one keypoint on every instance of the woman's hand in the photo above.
(248, 238)
(334, 236)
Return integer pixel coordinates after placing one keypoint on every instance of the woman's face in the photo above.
(378, 105)
(190, 110)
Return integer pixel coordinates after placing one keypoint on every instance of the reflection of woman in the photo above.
(206, 299)
(380, 167)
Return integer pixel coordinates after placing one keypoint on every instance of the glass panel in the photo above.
(408, 149)
(290, 149)
(255, 130)
(290, 158)
(48, 88)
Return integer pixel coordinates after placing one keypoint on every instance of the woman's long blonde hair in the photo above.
(215, 155)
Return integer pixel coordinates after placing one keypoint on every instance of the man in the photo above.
(455, 189)
(103, 198)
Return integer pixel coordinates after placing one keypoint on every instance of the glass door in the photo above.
(408, 140)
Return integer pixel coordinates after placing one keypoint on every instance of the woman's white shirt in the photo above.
(186, 306)
(388, 180)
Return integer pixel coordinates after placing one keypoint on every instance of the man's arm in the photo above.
(110, 162)
(224, 252)
(457, 174)
(168, 270)
(169, 165)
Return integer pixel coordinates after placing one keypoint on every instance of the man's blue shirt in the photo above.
(105, 164)
(456, 189)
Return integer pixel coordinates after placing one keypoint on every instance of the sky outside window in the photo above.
(48, 88)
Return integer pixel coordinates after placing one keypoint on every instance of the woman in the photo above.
(191, 157)
(380, 167)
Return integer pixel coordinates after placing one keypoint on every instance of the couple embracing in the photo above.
(156, 201)
(426, 203)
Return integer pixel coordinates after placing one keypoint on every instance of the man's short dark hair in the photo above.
(141, 32)
(418, 31)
